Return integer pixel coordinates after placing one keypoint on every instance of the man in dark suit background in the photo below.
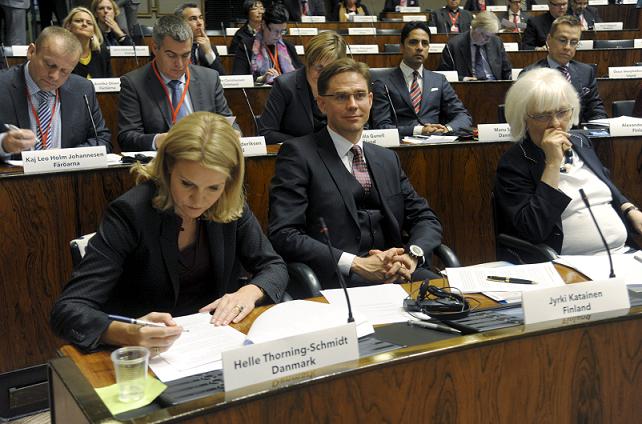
(514, 19)
(358, 188)
(586, 14)
(391, 5)
(451, 18)
(478, 54)
(413, 99)
(155, 96)
(562, 41)
(298, 8)
(537, 27)
(47, 102)
(203, 53)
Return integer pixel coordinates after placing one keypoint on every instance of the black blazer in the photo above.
(532, 210)
(523, 18)
(537, 28)
(243, 55)
(585, 83)
(390, 5)
(243, 35)
(198, 58)
(316, 8)
(473, 5)
(439, 103)
(288, 110)
(310, 182)
(637, 108)
(131, 266)
(590, 14)
(459, 50)
(111, 40)
(441, 20)
(98, 67)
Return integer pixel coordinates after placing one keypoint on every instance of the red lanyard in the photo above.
(274, 57)
(44, 135)
(453, 21)
(169, 98)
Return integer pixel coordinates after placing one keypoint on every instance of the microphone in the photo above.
(224, 33)
(135, 53)
(91, 117)
(392, 106)
(4, 56)
(349, 50)
(326, 233)
(141, 34)
(606, 246)
(247, 56)
(249, 106)
(372, 25)
(298, 32)
(452, 59)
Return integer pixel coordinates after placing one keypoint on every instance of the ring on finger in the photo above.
(240, 308)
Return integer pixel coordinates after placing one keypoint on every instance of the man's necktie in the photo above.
(44, 116)
(516, 22)
(304, 8)
(565, 72)
(360, 169)
(583, 21)
(177, 92)
(194, 57)
(415, 92)
(480, 73)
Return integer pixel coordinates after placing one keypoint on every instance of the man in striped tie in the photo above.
(44, 105)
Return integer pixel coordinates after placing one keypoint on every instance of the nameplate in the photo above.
(540, 8)
(598, 2)
(608, 26)
(300, 50)
(629, 1)
(304, 31)
(574, 300)
(414, 18)
(363, 48)
(585, 45)
(253, 146)
(262, 362)
(60, 160)
(514, 73)
(409, 9)
(625, 127)
(637, 43)
(237, 81)
(383, 138)
(436, 47)
(433, 29)
(362, 31)
(451, 76)
(19, 51)
(625, 71)
(499, 8)
(221, 50)
(309, 19)
(494, 132)
(511, 47)
(106, 85)
(231, 31)
(363, 18)
(128, 51)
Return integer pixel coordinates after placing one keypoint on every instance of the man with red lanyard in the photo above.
(451, 18)
(160, 93)
(44, 105)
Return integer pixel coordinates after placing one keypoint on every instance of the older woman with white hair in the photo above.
(538, 180)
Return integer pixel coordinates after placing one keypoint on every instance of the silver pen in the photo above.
(433, 326)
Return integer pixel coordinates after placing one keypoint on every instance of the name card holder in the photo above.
(409, 9)
(363, 18)
(253, 146)
(414, 18)
(511, 47)
(574, 300)
(221, 50)
(237, 81)
(629, 1)
(19, 51)
(451, 76)
(383, 138)
(304, 31)
(106, 85)
(540, 8)
(625, 71)
(433, 29)
(300, 50)
(128, 51)
(514, 73)
(61, 160)
(497, 8)
(625, 127)
(362, 31)
(363, 48)
(494, 132)
(598, 2)
(608, 26)
(637, 43)
(585, 45)
(436, 47)
(310, 19)
(231, 31)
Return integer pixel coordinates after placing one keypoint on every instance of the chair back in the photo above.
(623, 108)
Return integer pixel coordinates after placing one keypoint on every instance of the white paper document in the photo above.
(596, 267)
(381, 304)
(474, 279)
(430, 139)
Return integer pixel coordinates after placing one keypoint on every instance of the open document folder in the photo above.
(474, 279)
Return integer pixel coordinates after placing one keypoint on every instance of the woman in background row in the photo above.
(253, 10)
(344, 9)
(175, 244)
(267, 55)
(538, 180)
(105, 12)
(94, 59)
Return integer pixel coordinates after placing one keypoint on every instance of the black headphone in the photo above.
(438, 303)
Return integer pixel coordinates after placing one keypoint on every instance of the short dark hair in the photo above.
(190, 5)
(249, 4)
(570, 20)
(340, 66)
(411, 26)
(276, 14)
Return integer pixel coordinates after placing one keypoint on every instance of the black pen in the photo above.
(135, 321)
(433, 326)
(509, 280)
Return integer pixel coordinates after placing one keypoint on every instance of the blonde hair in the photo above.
(485, 21)
(96, 3)
(327, 46)
(536, 91)
(97, 39)
(211, 140)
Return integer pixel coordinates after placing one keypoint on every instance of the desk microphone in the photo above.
(224, 33)
(247, 56)
(93, 124)
(135, 53)
(249, 106)
(326, 234)
(298, 32)
(452, 59)
(4, 56)
(372, 25)
(392, 106)
(606, 246)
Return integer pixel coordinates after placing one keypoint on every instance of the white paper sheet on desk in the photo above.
(302, 316)
(430, 139)
(473, 279)
(381, 304)
(200, 347)
(596, 267)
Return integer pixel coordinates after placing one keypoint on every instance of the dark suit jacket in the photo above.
(288, 111)
(144, 111)
(439, 103)
(473, 5)
(532, 210)
(77, 130)
(441, 20)
(338, 9)
(524, 17)
(199, 58)
(310, 182)
(98, 67)
(459, 50)
(590, 14)
(131, 266)
(243, 35)
(637, 108)
(390, 5)
(316, 8)
(585, 83)
(242, 65)
(537, 28)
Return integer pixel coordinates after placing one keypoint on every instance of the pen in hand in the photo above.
(135, 321)
(509, 280)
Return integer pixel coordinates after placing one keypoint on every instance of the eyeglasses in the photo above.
(567, 42)
(548, 116)
(342, 97)
(558, 5)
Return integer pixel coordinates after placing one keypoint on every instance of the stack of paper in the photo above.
(474, 279)
(626, 266)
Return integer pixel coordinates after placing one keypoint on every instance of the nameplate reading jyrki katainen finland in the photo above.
(292, 355)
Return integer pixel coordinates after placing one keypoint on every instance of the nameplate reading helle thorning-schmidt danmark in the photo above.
(292, 355)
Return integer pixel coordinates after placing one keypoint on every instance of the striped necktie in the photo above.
(360, 169)
(415, 92)
(44, 116)
(564, 70)
(177, 92)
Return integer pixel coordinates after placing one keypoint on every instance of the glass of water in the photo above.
(130, 365)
